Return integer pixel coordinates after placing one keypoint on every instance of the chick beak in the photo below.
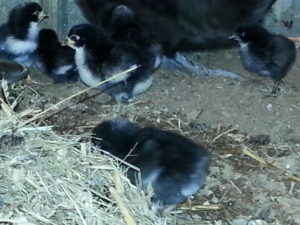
(42, 16)
(233, 37)
(69, 42)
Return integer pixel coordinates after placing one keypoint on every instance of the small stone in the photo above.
(215, 200)
(269, 107)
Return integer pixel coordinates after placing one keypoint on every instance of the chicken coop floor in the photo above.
(230, 117)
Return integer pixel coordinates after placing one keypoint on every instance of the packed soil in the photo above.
(231, 117)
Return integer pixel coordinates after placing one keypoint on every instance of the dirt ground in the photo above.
(225, 115)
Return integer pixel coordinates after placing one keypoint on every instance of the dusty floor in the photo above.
(224, 115)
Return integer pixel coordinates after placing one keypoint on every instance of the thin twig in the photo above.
(75, 205)
(43, 183)
(297, 107)
(124, 210)
(40, 218)
(226, 132)
(32, 129)
(131, 150)
(293, 177)
(6, 108)
(120, 160)
(75, 95)
(32, 183)
(236, 187)
(118, 182)
(200, 207)
(99, 195)
(258, 158)
(264, 162)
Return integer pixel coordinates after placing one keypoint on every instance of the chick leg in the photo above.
(276, 87)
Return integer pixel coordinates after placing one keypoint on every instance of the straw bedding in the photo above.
(52, 179)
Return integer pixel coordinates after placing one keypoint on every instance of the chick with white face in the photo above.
(265, 53)
(18, 36)
(89, 75)
(98, 58)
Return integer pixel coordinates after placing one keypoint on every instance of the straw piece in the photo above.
(32, 183)
(296, 107)
(31, 129)
(118, 182)
(4, 86)
(226, 132)
(257, 158)
(41, 218)
(75, 205)
(6, 108)
(264, 162)
(293, 177)
(200, 207)
(124, 210)
(43, 183)
(77, 94)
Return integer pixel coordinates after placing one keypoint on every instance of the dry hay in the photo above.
(52, 179)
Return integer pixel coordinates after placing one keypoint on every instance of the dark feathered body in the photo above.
(116, 136)
(174, 166)
(19, 20)
(98, 58)
(123, 28)
(18, 36)
(184, 25)
(56, 60)
(265, 53)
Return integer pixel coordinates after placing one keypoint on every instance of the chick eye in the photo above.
(36, 13)
(74, 37)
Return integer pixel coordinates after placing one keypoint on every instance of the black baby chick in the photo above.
(18, 36)
(116, 136)
(265, 53)
(173, 165)
(55, 59)
(123, 28)
(98, 58)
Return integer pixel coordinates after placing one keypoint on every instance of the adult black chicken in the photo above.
(183, 25)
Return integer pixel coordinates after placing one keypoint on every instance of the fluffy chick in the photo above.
(123, 28)
(98, 58)
(18, 36)
(173, 165)
(55, 59)
(265, 53)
